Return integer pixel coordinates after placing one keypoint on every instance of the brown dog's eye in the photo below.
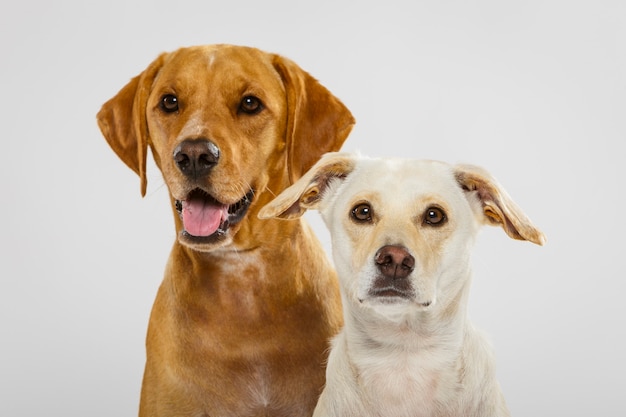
(435, 216)
(169, 103)
(362, 213)
(250, 105)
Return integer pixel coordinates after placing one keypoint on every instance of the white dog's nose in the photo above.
(394, 261)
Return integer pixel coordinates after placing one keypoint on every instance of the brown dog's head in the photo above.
(225, 124)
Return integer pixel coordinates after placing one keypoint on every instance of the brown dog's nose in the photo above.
(196, 157)
(394, 261)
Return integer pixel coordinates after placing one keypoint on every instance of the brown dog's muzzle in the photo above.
(205, 218)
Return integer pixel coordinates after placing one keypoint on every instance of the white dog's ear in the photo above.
(498, 207)
(307, 192)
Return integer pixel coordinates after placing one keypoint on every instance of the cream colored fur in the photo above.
(407, 347)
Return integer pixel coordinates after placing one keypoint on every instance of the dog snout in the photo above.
(394, 261)
(195, 157)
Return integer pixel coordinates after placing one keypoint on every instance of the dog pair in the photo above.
(242, 320)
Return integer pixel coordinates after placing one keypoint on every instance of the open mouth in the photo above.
(205, 218)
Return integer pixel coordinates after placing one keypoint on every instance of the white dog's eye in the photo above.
(434, 216)
(362, 213)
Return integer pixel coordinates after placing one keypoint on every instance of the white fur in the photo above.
(407, 356)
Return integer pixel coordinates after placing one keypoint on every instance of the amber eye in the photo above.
(362, 213)
(435, 216)
(250, 105)
(169, 103)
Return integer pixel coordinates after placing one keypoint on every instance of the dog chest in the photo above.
(402, 383)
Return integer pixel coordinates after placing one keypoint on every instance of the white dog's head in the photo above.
(401, 229)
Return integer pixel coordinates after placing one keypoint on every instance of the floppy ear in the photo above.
(122, 120)
(307, 192)
(498, 208)
(317, 121)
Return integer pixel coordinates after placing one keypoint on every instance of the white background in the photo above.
(532, 90)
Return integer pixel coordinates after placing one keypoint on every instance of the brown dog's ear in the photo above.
(498, 208)
(307, 192)
(317, 121)
(123, 123)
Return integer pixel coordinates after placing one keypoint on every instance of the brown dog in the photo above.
(241, 323)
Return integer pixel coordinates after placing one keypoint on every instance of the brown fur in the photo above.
(241, 323)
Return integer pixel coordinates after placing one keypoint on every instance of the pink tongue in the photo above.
(201, 217)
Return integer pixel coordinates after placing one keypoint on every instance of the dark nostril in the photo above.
(181, 159)
(394, 261)
(195, 157)
(408, 262)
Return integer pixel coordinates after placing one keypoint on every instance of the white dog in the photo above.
(401, 232)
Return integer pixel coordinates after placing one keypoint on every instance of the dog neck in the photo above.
(276, 262)
(437, 329)
(421, 354)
